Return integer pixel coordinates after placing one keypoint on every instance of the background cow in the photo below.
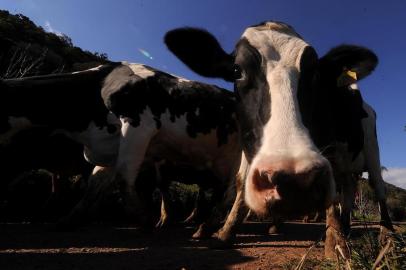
(281, 88)
(155, 116)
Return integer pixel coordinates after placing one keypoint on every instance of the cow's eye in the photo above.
(237, 72)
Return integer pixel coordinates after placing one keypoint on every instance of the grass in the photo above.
(369, 254)
(310, 264)
(366, 253)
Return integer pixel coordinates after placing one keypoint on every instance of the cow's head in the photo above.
(271, 67)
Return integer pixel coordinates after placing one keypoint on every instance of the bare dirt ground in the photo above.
(35, 246)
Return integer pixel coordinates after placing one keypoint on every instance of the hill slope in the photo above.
(27, 49)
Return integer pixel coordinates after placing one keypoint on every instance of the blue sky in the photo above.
(121, 27)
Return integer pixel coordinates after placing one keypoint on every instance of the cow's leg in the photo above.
(207, 228)
(378, 185)
(373, 164)
(335, 243)
(349, 185)
(133, 146)
(276, 224)
(200, 204)
(225, 236)
(317, 217)
(306, 219)
(99, 182)
(163, 186)
(165, 207)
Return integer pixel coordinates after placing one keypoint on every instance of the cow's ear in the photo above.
(201, 52)
(349, 63)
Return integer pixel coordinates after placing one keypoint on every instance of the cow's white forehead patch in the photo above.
(277, 47)
(284, 135)
(139, 70)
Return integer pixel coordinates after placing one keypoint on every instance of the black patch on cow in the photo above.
(376, 118)
(336, 112)
(306, 90)
(206, 107)
(62, 101)
(252, 92)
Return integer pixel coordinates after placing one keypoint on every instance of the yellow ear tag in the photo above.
(352, 74)
(346, 78)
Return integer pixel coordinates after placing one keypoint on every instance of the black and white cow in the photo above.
(127, 115)
(348, 168)
(287, 98)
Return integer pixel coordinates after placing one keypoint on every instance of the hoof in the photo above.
(335, 246)
(201, 235)
(203, 232)
(385, 234)
(189, 220)
(162, 223)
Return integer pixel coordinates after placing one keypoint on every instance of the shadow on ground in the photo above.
(100, 247)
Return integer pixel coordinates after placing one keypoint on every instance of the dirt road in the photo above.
(28, 246)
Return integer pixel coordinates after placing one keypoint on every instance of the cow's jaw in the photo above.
(287, 161)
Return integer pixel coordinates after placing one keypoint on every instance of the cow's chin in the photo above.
(288, 199)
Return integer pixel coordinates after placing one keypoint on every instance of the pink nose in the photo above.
(270, 182)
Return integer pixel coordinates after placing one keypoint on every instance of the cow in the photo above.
(127, 116)
(286, 104)
(350, 168)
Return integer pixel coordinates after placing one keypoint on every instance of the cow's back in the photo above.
(66, 101)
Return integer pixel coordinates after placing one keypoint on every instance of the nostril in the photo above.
(262, 180)
(276, 178)
(307, 177)
(267, 176)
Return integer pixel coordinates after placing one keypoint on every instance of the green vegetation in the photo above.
(366, 207)
(369, 254)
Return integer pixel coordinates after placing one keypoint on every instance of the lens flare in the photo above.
(145, 53)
